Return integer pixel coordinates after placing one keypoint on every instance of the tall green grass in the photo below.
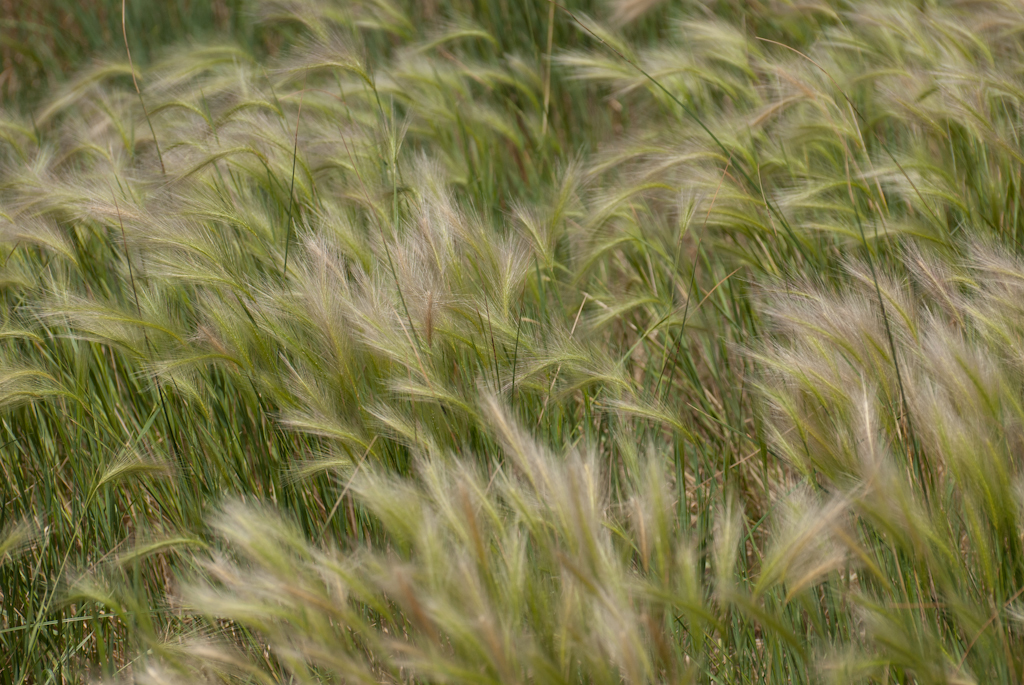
(41, 43)
(499, 342)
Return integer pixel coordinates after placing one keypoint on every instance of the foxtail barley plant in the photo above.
(588, 342)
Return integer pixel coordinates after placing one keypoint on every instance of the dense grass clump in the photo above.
(517, 342)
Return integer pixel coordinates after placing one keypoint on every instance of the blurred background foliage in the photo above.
(42, 43)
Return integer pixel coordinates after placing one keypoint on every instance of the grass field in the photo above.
(510, 341)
